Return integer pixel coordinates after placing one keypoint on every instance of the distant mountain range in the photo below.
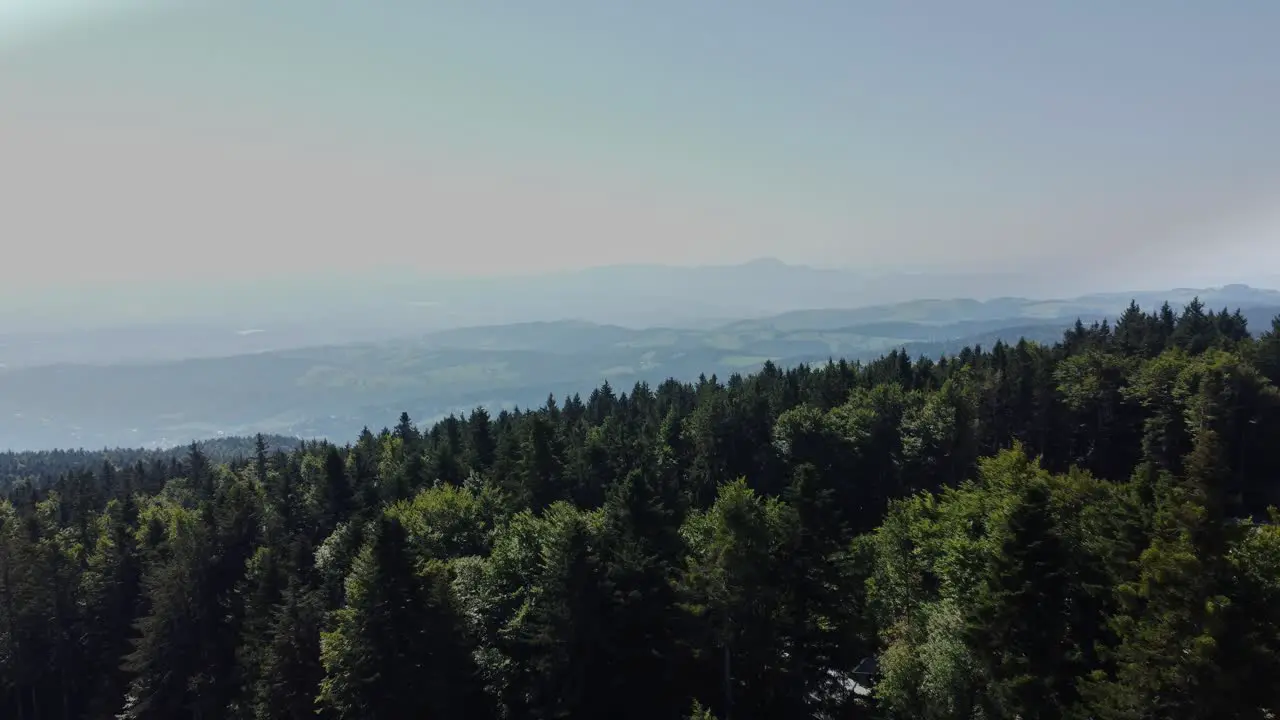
(114, 323)
(332, 390)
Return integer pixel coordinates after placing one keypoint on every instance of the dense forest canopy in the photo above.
(40, 465)
(1080, 530)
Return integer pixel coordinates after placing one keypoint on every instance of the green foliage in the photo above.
(1071, 531)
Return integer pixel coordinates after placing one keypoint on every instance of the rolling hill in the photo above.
(334, 390)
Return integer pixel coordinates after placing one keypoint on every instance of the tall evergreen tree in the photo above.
(394, 650)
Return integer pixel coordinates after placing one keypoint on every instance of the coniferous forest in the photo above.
(1022, 531)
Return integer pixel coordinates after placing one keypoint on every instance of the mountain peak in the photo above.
(771, 262)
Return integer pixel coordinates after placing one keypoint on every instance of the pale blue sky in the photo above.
(478, 135)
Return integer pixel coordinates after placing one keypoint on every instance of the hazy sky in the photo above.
(188, 139)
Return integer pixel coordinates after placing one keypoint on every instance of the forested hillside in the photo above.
(1079, 530)
(37, 464)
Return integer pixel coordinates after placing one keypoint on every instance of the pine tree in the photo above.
(479, 441)
(334, 495)
(1267, 354)
(560, 640)
(1168, 662)
(111, 583)
(291, 670)
(1020, 626)
(394, 650)
(180, 635)
(639, 548)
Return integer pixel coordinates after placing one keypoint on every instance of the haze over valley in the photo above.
(309, 376)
